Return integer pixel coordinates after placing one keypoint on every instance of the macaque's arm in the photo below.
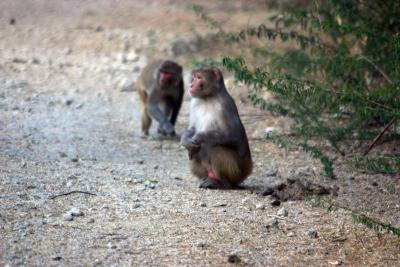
(157, 113)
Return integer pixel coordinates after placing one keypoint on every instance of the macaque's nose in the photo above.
(165, 76)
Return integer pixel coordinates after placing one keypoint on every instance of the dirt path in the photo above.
(66, 125)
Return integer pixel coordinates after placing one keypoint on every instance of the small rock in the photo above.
(140, 161)
(23, 164)
(35, 61)
(282, 212)
(99, 29)
(312, 233)
(335, 263)
(137, 181)
(273, 222)
(203, 204)
(68, 51)
(31, 186)
(128, 85)
(268, 191)
(19, 60)
(275, 202)
(269, 130)
(57, 258)
(245, 200)
(374, 184)
(291, 234)
(111, 246)
(12, 21)
(201, 245)
(75, 212)
(233, 258)
(68, 102)
(91, 220)
(75, 159)
(271, 173)
(68, 217)
(136, 205)
(260, 206)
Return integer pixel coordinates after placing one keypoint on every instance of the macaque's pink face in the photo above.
(197, 84)
(165, 77)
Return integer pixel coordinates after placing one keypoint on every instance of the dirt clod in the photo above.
(233, 258)
(294, 190)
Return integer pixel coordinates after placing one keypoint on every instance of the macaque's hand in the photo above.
(189, 142)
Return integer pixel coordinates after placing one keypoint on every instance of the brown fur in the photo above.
(216, 139)
(160, 100)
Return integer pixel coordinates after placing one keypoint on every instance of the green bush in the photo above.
(339, 81)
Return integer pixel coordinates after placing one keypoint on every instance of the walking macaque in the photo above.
(160, 88)
(216, 140)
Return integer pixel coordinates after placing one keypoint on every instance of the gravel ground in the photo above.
(78, 187)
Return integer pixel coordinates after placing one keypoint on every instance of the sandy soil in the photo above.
(69, 122)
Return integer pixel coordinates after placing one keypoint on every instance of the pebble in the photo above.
(273, 222)
(233, 258)
(201, 245)
(271, 173)
(74, 159)
(203, 205)
(111, 246)
(91, 220)
(75, 212)
(68, 102)
(283, 212)
(270, 130)
(68, 217)
(291, 234)
(312, 233)
(245, 200)
(35, 61)
(136, 205)
(137, 181)
(335, 263)
(260, 206)
(275, 202)
(268, 191)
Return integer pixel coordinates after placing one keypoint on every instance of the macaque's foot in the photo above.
(144, 135)
(164, 133)
(161, 131)
(211, 183)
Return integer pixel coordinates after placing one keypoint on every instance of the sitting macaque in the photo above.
(160, 88)
(216, 140)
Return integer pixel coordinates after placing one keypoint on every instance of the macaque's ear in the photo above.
(216, 74)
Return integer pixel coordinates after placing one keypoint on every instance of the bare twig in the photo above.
(376, 139)
(377, 68)
(72, 192)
